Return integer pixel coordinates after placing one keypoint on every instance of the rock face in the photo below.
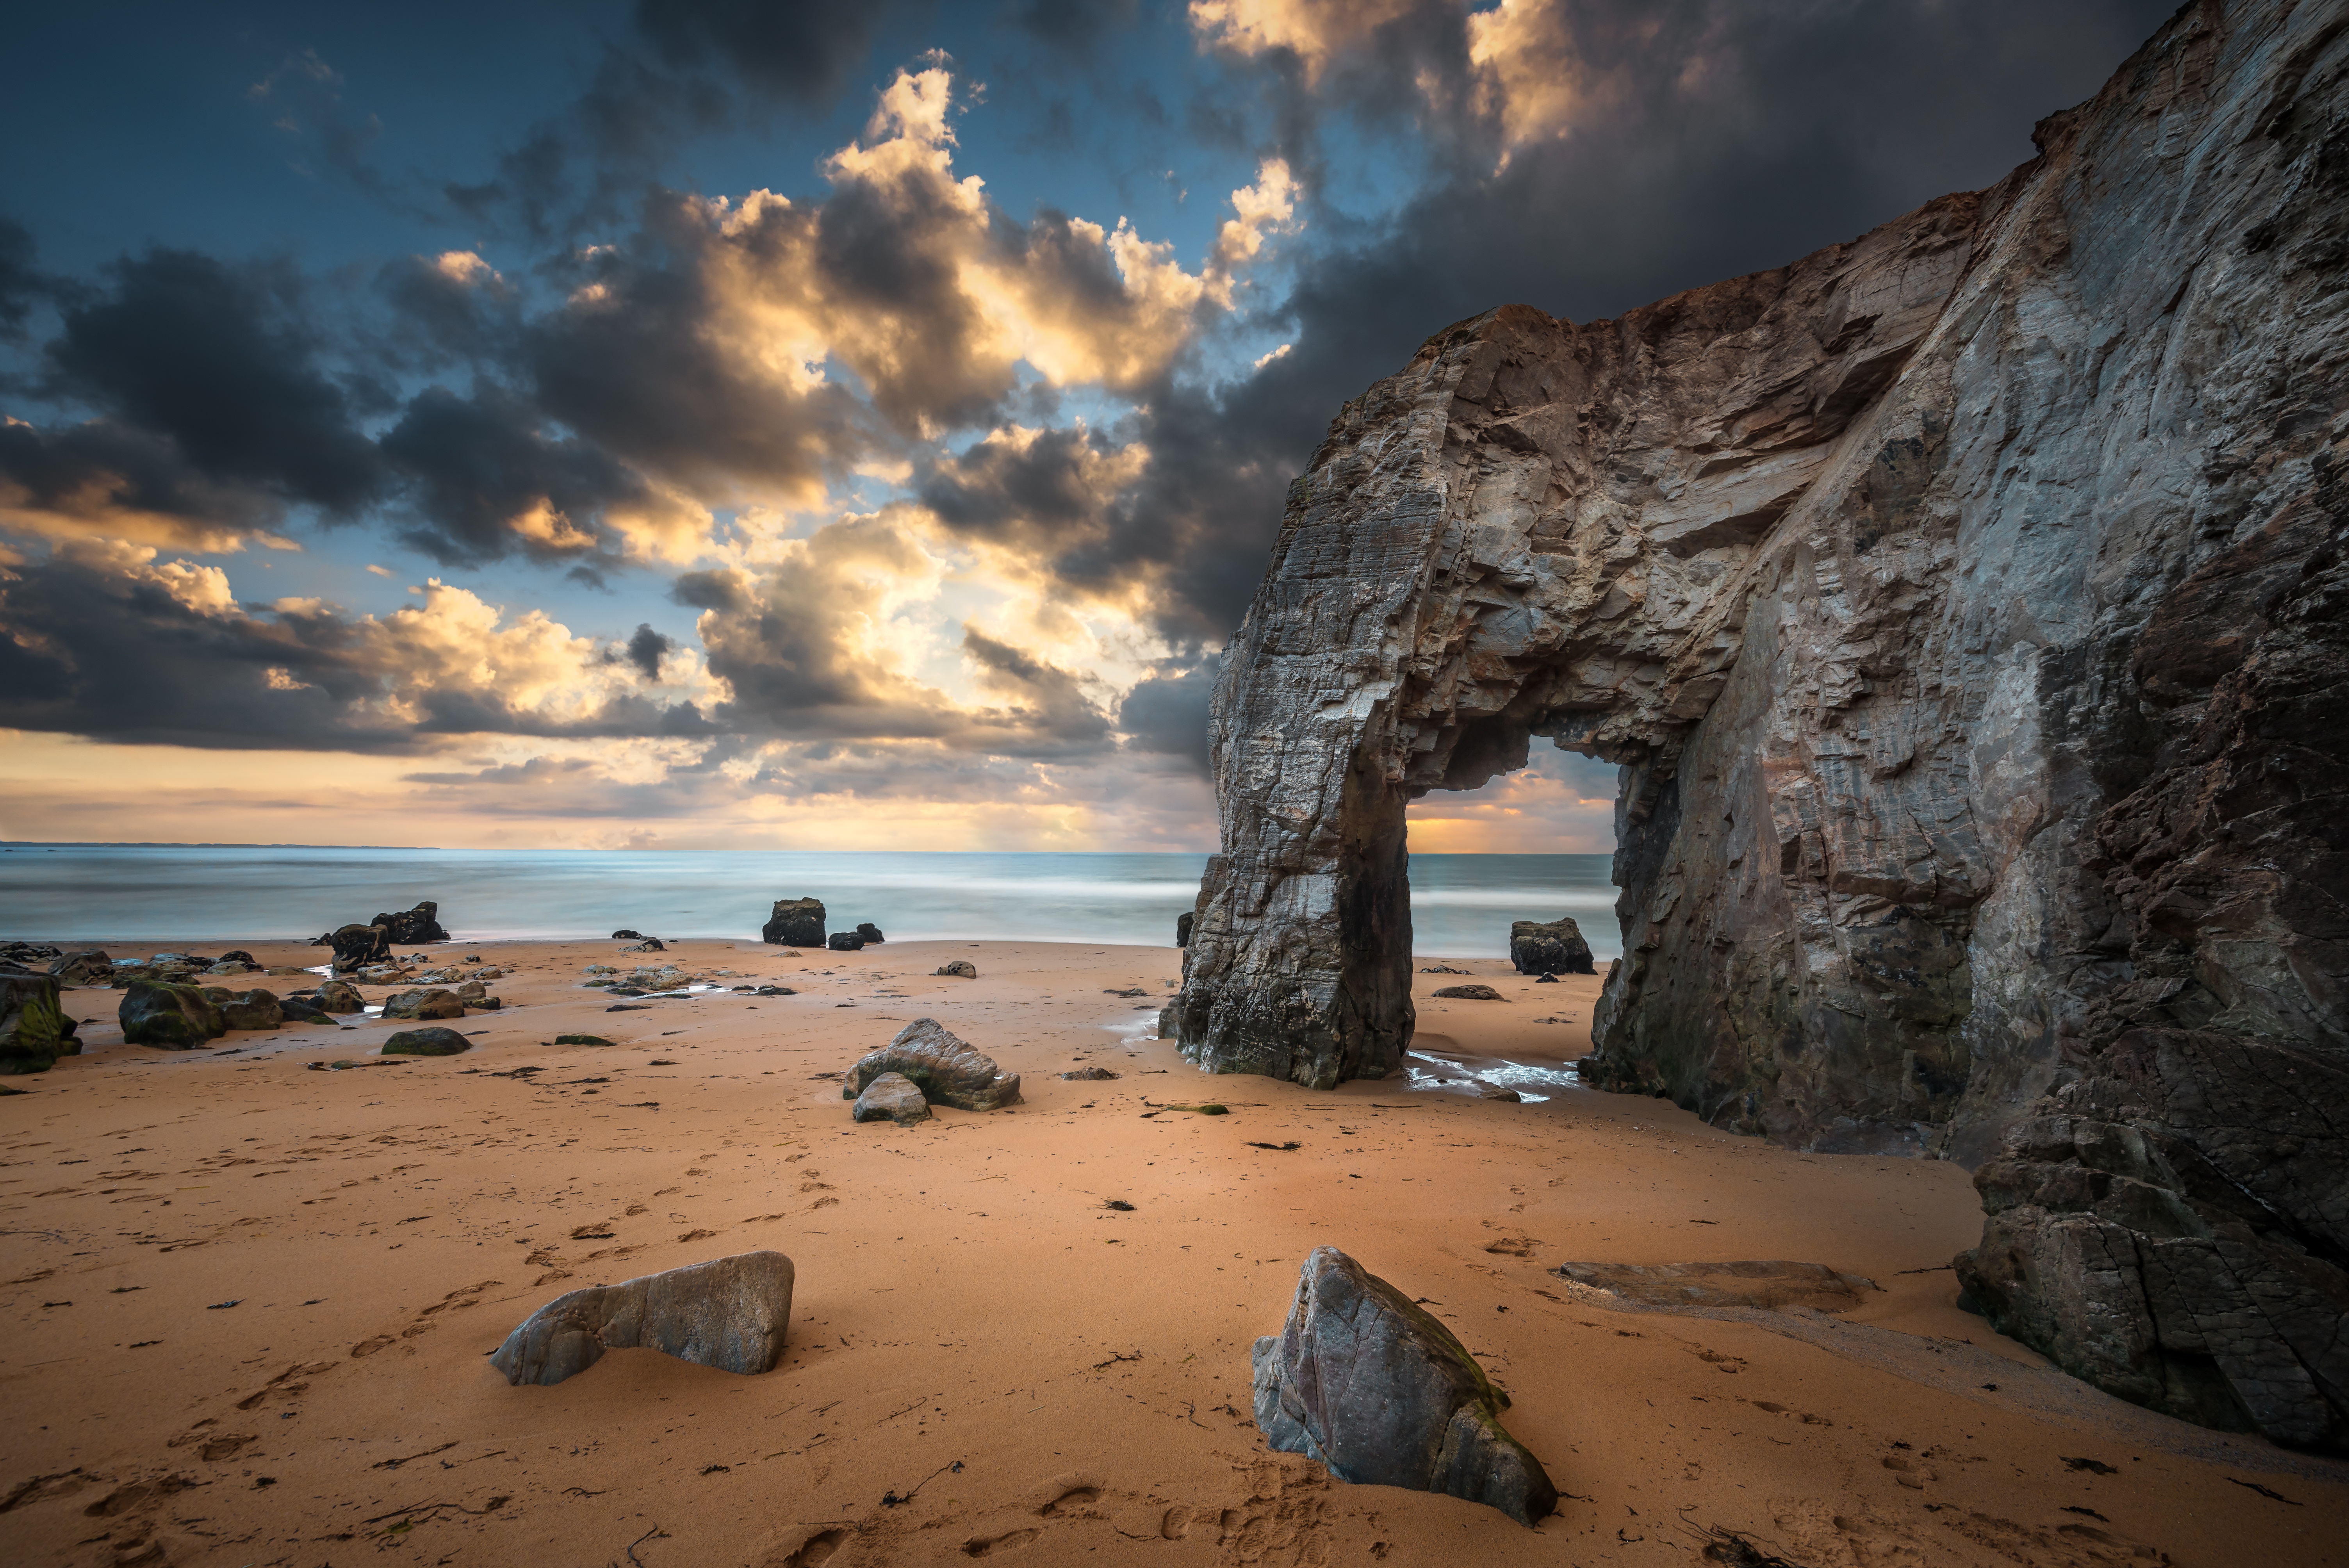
(34, 1029)
(892, 1097)
(176, 1017)
(729, 1314)
(796, 923)
(1965, 607)
(1378, 1391)
(421, 923)
(1550, 947)
(947, 1070)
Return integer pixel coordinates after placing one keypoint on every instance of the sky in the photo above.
(713, 424)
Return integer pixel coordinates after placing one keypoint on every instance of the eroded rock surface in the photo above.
(945, 1067)
(729, 1314)
(1380, 1392)
(35, 1027)
(795, 923)
(1965, 605)
(1550, 947)
(175, 1017)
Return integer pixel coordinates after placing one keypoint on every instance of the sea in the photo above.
(1461, 905)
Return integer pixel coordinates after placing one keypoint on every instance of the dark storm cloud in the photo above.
(1073, 25)
(476, 464)
(1051, 705)
(224, 364)
(1041, 492)
(21, 283)
(805, 50)
(1168, 714)
(648, 648)
(97, 641)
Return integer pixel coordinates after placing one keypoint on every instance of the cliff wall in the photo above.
(1965, 607)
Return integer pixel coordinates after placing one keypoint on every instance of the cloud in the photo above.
(102, 639)
(648, 648)
(1168, 713)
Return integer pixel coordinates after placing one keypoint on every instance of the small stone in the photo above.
(1545, 979)
(425, 1002)
(432, 1042)
(581, 1040)
(1091, 1075)
(1469, 993)
(730, 1313)
(892, 1097)
(961, 968)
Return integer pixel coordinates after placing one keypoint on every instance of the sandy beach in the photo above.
(252, 1300)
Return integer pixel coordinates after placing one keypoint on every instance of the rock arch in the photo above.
(1966, 608)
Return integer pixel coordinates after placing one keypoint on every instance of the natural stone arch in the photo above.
(1968, 607)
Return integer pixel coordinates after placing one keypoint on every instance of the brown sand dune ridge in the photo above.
(253, 1302)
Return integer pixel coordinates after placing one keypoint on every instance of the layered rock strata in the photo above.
(1964, 605)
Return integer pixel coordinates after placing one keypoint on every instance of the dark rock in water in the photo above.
(1773, 1284)
(624, 935)
(651, 945)
(254, 1009)
(424, 1002)
(357, 945)
(421, 923)
(729, 1314)
(844, 942)
(870, 932)
(89, 967)
(1381, 1393)
(1550, 947)
(1091, 1075)
(35, 1029)
(946, 1069)
(432, 1042)
(1470, 994)
(961, 968)
(175, 1018)
(892, 1097)
(796, 923)
(236, 956)
(340, 996)
(1183, 928)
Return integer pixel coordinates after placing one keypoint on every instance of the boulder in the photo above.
(421, 923)
(946, 1069)
(1469, 993)
(843, 941)
(305, 1010)
(254, 1009)
(237, 955)
(1550, 947)
(892, 1097)
(729, 1314)
(796, 923)
(1381, 1393)
(175, 1017)
(1183, 928)
(870, 932)
(34, 1029)
(89, 967)
(961, 968)
(340, 996)
(424, 1002)
(432, 1042)
(356, 946)
(624, 935)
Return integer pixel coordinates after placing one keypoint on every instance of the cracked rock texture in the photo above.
(1964, 605)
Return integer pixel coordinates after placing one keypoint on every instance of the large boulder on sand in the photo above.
(729, 1314)
(90, 966)
(356, 946)
(424, 1002)
(34, 1029)
(421, 923)
(432, 1042)
(796, 923)
(175, 1018)
(340, 996)
(1381, 1394)
(960, 968)
(254, 1009)
(946, 1069)
(892, 1097)
(1550, 947)
(843, 941)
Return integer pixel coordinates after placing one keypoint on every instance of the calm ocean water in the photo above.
(1461, 904)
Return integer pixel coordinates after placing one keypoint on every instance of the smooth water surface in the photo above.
(1461, 904)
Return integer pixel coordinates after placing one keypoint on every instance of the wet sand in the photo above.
(252, 1302)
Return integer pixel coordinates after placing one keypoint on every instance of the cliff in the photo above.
(1965, 607)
